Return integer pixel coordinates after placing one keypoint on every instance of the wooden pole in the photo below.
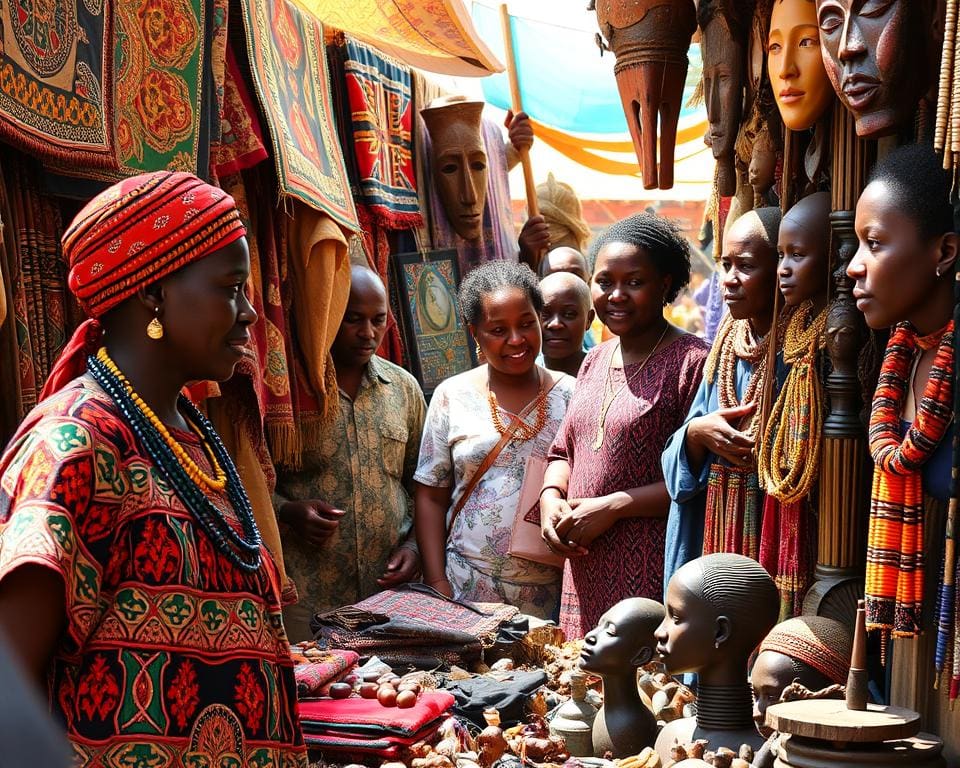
(533, 209)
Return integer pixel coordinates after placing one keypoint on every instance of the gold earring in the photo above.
(478, 350)
(155, 329)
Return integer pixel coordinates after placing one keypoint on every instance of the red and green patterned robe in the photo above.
(172, 656)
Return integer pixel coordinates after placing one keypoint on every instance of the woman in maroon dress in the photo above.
(604, 504)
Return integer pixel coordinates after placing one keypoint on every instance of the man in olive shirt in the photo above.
(347, 513)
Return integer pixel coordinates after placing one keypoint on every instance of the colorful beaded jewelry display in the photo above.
(242, 550)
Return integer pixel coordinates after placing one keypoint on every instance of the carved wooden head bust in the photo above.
(623, 638)
(459, 161)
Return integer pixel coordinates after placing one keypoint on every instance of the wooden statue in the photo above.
(723, 44)
(880, 58)
(459, 161)
(719, 608)
(622, 642)
(650, 39)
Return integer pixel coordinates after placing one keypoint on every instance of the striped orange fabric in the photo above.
(895, 556)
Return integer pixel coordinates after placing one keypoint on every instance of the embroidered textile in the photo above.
(363, 465)
(56, 81)
(381, 126)
(171, 654)
(241, 137)
(457, 434)
(895, 544)
(315, 676)
(288, 64)
(734, 504)
(627, 560)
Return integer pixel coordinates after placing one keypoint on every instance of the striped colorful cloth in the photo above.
(895, 551)
(316, 675)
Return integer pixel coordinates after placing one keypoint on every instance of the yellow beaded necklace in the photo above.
(218, 483)
(789, 455)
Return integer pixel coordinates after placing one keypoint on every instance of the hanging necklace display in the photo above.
(186, 478)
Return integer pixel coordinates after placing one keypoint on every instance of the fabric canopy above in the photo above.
(436, 36)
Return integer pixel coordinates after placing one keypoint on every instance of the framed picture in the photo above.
(438, 342)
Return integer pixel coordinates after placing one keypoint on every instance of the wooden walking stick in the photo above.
(533, 209)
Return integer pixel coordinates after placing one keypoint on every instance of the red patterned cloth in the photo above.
(241, 143)
(314, 677)
(381, 114)
(135, 232)
(171, 655)
(627, 560)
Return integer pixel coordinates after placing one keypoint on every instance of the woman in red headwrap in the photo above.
(133, 581)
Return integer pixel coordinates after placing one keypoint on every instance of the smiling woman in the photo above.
(485, 440)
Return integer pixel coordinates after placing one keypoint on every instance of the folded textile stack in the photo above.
(363, 727)
(414, 625)
(316, 670)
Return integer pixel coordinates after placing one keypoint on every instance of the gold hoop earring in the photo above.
(155, 328)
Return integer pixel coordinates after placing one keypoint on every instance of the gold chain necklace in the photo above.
(524, 431)
(193, 470)
(608, 388)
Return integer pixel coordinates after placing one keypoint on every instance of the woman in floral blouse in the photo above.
(464, 545)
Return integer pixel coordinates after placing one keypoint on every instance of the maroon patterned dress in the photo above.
(627, 560)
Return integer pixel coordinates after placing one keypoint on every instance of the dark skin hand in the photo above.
(534, 241)
(403, 566)
(519, 130)
(314, 520)
(33, 615)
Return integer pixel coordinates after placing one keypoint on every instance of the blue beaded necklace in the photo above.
(242, 550)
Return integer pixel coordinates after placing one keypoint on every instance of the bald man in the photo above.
(715, 442)
(564, 259)
(348, 511)
(566, 315)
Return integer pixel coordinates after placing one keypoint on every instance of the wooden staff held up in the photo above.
(533, 209)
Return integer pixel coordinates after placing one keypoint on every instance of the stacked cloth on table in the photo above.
(414, 625)
(316, 670)
(359, 727)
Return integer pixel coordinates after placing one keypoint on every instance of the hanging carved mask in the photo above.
(724, 76)
(650, 39)
(877, 54)
(459, 161)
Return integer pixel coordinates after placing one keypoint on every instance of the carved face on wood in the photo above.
(459, 162)
(877, 55)
(800, 83)
(650, 39)
(724, 71)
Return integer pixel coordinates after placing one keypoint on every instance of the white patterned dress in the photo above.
(457, 435)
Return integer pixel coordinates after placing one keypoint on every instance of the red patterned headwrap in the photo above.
(133, 234)
(819, 642)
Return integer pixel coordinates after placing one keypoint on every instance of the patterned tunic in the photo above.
(365, 467)
(171, 655)
(458, 434)
(626, 560)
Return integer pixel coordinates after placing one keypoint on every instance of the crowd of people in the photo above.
(629, 456)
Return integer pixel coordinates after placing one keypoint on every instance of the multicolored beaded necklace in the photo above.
(242, 550)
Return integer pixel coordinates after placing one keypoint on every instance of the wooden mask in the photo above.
(799, 80)
(459, 161)
(723, 44)
(877, 55)
(650, 39)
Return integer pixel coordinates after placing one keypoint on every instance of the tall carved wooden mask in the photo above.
(650, 39)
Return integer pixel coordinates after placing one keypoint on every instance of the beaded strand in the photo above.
(192, 469)
(244, 550)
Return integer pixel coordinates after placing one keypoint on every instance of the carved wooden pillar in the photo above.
(844, 477)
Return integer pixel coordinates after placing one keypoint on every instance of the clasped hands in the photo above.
(569, 526)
